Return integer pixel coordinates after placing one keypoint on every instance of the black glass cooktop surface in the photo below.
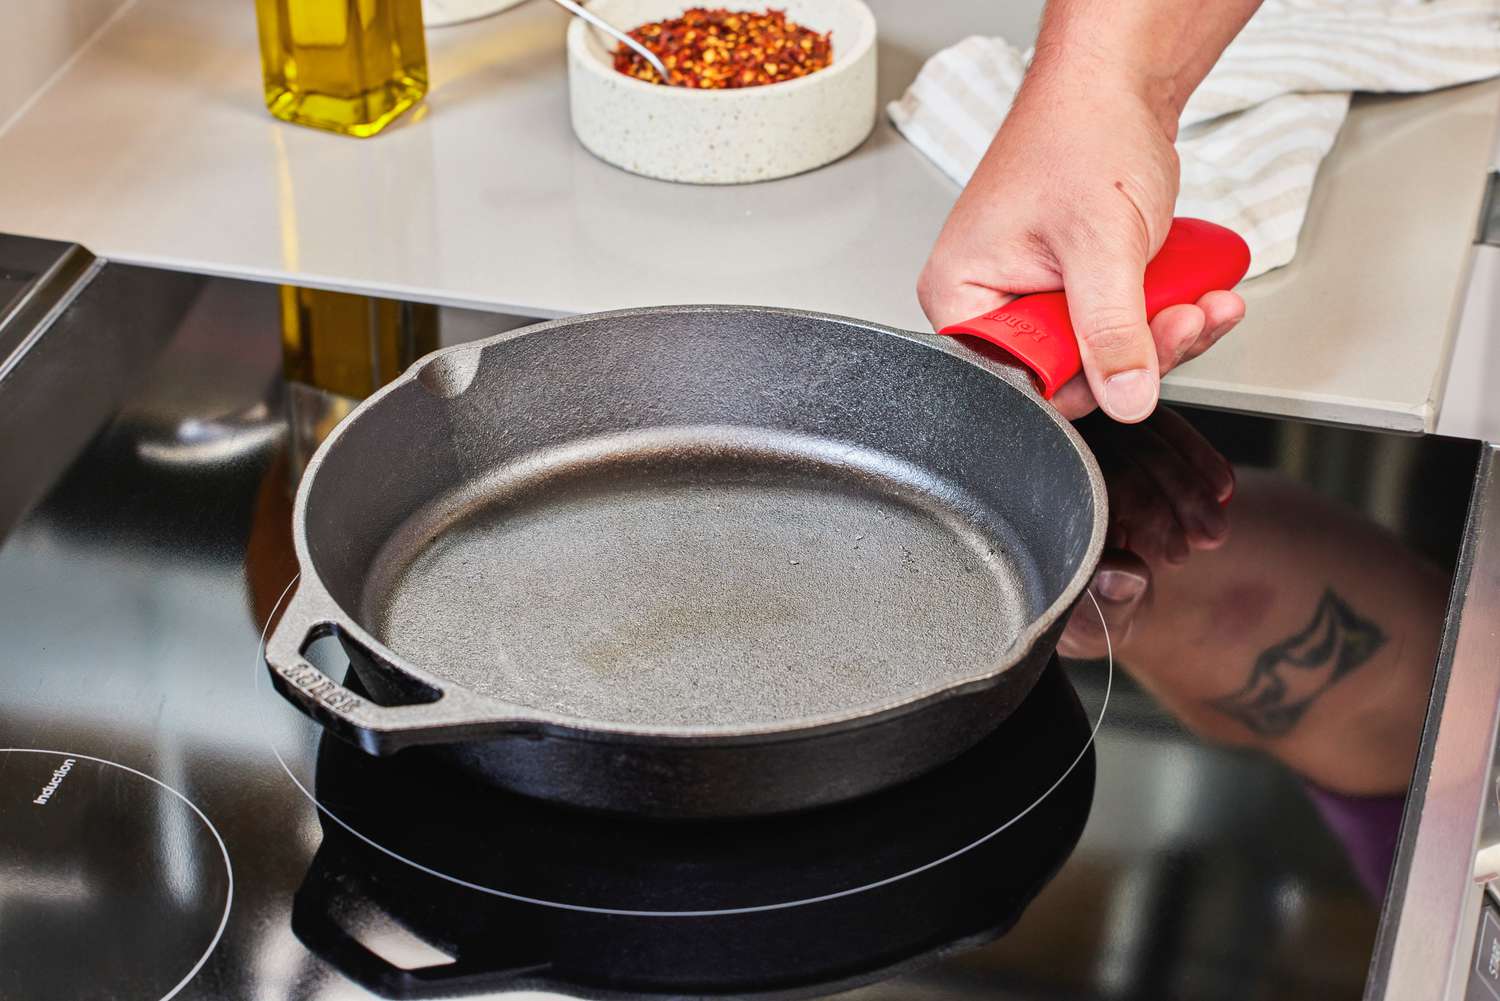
(170, 827)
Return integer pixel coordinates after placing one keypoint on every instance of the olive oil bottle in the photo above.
(349, 66)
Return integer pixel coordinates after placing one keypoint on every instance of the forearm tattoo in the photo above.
(1289, 677)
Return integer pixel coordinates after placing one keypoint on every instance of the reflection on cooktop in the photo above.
(421, 847)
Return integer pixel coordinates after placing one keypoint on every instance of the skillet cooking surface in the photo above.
(692, 576)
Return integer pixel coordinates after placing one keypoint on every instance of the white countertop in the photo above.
(154, 148)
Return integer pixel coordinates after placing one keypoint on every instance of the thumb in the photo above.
(1107, 304)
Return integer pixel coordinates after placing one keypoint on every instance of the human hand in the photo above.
(1167, 489)
(1077, 192)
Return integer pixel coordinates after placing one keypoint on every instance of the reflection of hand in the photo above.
(1076, 193)
(1120, 586)
(1310, 634)
(1167, 490)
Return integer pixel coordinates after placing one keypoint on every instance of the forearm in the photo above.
(1157, 50)
(1311, 635)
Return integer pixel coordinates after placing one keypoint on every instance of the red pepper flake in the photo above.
(713, 48)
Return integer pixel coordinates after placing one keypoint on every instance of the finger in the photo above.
(1175, 330)
(1141, 515)
(1120, 587)
(1074, 399)
(1108, 307)
(1222, 311)
(948, 301)
(1142, 520)
(1189, 495)
(1156, 535)
(1178, 549)
(1196, 449)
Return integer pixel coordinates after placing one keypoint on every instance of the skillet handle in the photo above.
(374, 728)
(1196, 258)
(319, 898)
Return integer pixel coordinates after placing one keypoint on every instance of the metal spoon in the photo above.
(598, 22)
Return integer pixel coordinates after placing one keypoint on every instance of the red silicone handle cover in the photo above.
(1196, 258)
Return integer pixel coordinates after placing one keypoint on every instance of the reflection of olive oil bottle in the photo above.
(338, 348)
(348, 66)
(351, 344)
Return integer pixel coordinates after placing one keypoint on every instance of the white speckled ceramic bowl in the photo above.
(724, 136)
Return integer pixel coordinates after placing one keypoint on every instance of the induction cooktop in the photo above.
(170, 827)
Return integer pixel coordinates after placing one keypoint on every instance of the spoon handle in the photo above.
(578, 10)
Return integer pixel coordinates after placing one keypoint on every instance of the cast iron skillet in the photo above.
(706, 561)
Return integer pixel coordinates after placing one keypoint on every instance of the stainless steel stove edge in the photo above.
(1433, 909)
(62, 271)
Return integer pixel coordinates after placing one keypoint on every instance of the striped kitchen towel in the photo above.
(1253, 134)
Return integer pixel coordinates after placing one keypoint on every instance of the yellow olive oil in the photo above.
(348, 66)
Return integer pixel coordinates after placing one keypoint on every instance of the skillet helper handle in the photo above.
(313, 907)
(374, 728)
(1196, 258)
